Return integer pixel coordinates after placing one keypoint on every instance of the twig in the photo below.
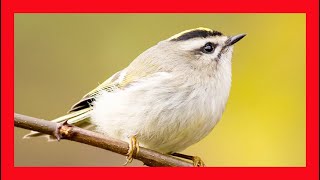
(147, 156)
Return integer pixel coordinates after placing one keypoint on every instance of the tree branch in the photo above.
(147, 156)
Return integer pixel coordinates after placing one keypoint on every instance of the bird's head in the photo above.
(201, 48)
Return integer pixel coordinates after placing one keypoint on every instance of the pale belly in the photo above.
(161, 120)
(164, 114)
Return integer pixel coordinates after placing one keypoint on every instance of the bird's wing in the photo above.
(82, 109)
(109, 85)
(137, 70)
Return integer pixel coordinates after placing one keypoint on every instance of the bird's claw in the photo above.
(133, 149)
(197, 162)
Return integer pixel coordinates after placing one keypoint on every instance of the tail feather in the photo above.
(77, 118)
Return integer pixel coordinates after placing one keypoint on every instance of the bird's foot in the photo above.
(63, 130)
(133, 149)
(197, 162)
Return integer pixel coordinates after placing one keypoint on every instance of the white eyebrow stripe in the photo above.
(199, 42)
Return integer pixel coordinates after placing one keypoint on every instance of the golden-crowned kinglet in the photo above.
(170, 97)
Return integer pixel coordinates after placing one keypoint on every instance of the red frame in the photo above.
(9, 7)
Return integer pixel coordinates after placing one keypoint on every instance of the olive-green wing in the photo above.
(109, 85)
(119, 80)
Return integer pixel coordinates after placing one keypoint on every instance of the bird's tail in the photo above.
(78, 118)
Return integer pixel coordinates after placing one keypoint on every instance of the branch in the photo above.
(147, 156)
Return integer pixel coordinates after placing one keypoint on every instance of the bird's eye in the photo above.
(208, 48)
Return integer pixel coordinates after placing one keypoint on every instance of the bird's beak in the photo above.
(233, 39)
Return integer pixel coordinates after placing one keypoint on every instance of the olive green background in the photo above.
(60, 57)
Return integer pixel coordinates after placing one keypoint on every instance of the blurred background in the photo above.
(60, 57)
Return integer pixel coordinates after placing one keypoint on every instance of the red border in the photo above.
(8, 9)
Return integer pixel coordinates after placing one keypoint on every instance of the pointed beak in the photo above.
(233, 39)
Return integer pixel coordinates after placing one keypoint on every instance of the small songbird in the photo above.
(170, 97)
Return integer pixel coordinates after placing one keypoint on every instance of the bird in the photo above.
(168, 98)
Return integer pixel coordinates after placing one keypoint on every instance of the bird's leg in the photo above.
(197, 162)
(133, 149)
(62, 130)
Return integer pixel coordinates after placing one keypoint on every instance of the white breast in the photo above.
(164, 113)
